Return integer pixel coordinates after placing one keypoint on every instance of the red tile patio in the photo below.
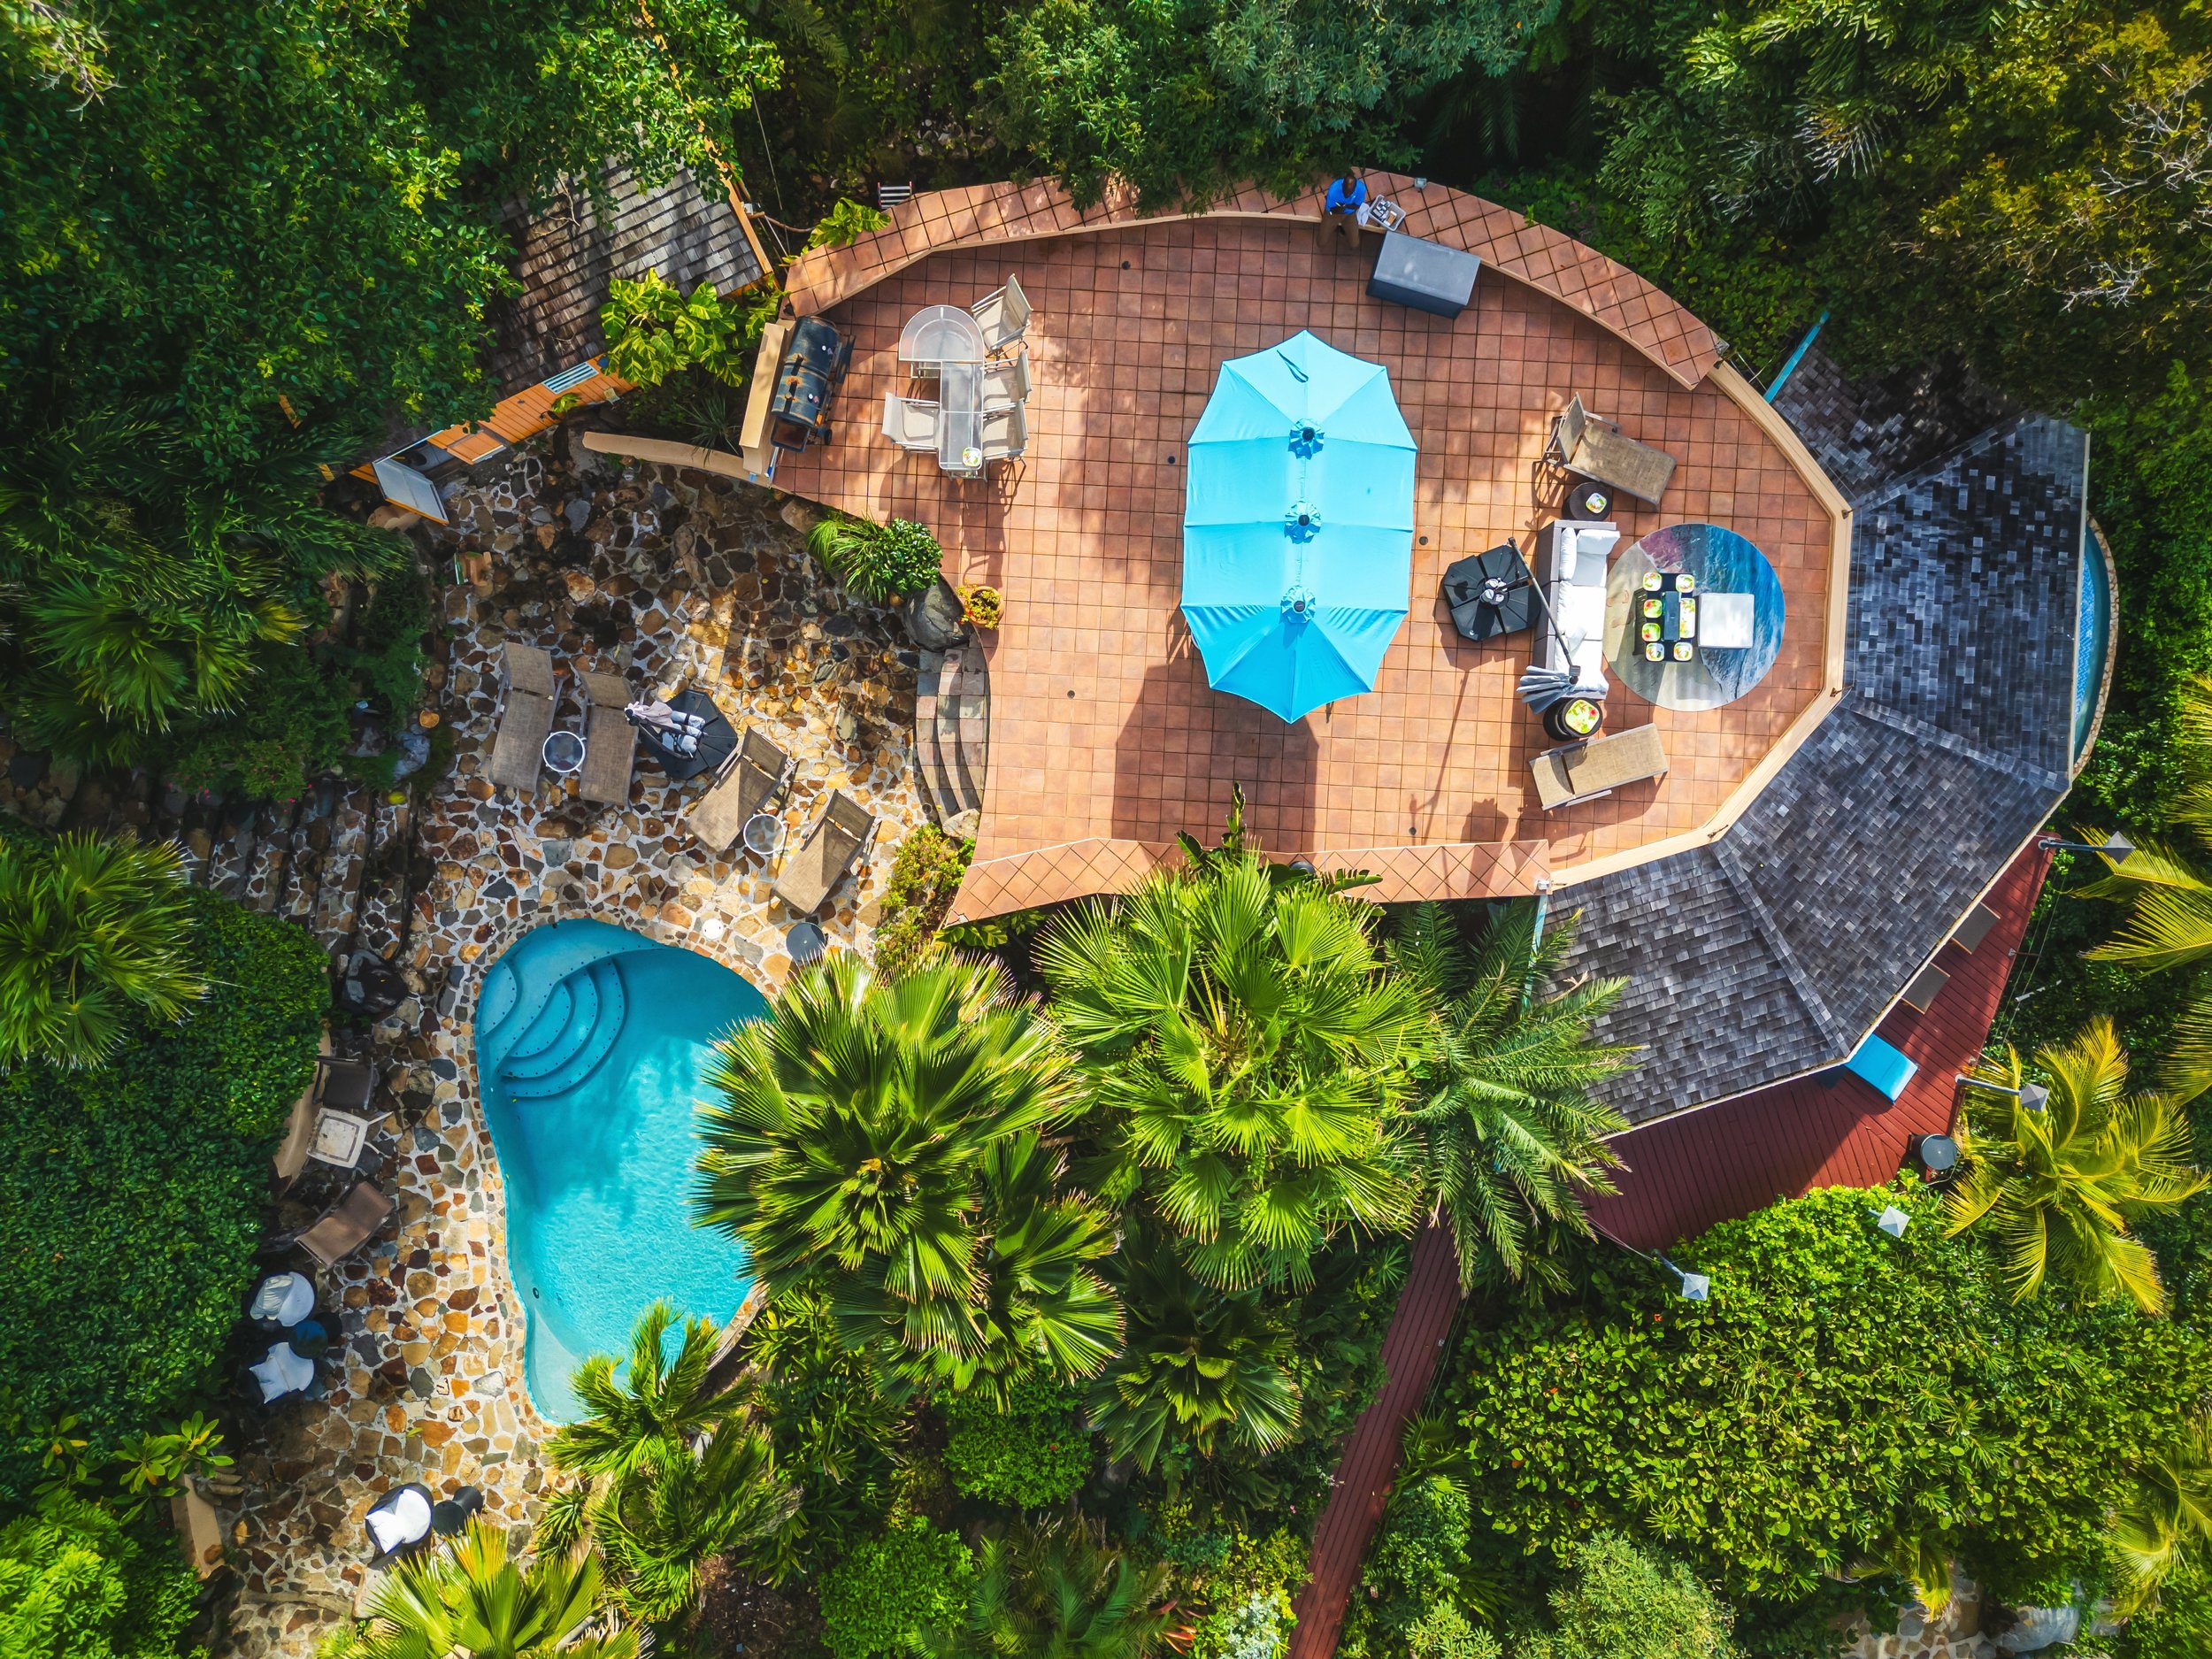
(1105, 739)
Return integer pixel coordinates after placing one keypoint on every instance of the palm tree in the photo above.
(1060, 1592)
(1241, 1034)
(476, 1602)
(881, 1141)
(2170, 1510)
(91, 931)
(2059, 1183)
(1196, 1363)
(658, 1405)
(664, 1523)
(1509, 1135)
(2169, 898)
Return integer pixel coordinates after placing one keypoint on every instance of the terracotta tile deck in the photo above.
(1106, 740)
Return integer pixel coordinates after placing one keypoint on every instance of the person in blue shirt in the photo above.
(1344, 210)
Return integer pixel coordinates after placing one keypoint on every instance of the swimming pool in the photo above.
(589, 1045)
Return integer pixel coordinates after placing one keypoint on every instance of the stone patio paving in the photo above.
(677, 579)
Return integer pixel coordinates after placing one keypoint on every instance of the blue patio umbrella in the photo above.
(1298, 527)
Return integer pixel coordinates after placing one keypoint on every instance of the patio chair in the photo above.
(1598, 450)
(526, 717)
(1885, 1066)
(609, 739)
(1004, 316)
(826, 855)
(1006, 382)
(754, 773)
(347, 1225)
(1926, 986)
(399, 1522)
(1975, 928)
(1005, 435)
(340, 1085)
(909, 422)
(1576, 772)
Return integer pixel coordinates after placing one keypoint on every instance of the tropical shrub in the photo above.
(93, 943)
(77, 1583)
(877, 561)
(1621, 1603)
(2057, 1187)
(387, 656)
(1028, 1452)
(474, 1601)
(925, 876)
(1239, 1040)
(1248, 1583)
(893, 1592)
(290, 732)
(883, 1142)
(1418, 1556)
(845, 222)
(1050, 1591)
(654, 331)
(131, 1198)
(1790, 1428)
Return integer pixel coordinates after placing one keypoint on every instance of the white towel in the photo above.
(284, 1298)
(406, 1520)
(283, 1372)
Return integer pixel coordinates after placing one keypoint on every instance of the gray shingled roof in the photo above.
(569, 252)
(1772, 952)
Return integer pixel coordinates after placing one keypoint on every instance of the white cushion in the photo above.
(284, 1298)
(405, 1520)
(1725, 621)
(282, 1373)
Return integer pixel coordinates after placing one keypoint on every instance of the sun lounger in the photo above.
(526, 717)
(1577, 772)
(756, 772)
(609, 739)
(1598, 450)
(347, 1225)
(1004, 316)
(1882, 1064)
(828, 851)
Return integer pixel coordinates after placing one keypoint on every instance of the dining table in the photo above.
(945, 343)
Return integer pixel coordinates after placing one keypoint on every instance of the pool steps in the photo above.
(598, 1037)
(506, 1011)
(544, 1032)
(573, 1021)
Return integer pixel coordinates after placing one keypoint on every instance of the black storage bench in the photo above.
(1426, 275)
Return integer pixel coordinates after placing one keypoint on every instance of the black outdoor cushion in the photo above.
(1465, 582)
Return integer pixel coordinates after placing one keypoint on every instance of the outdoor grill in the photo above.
(807, 380)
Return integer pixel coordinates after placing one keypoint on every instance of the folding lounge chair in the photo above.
(1006, 382)
(526, 717)
(1582, 771)
(909, 422)
(609, 739)
(756, 772)
(828, 851)
(347, 1225)
(1004, 316)
(1598, 450)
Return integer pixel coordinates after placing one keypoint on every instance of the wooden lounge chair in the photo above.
(754, 775)
(1005, 435)
(347, 1225)
(1582, 771)
(609, 739)
(828, 851)
(526, 715)
(909, 422)
(1598, 450)
(1004, 316)
(1006, 382)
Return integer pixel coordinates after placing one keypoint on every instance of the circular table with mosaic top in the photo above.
(1750, 616)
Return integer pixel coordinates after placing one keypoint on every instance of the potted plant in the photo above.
(981, 607)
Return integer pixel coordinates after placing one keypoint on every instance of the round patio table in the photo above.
(940, 333)
(1720, 565)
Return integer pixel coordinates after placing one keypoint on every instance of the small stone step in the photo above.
(345, 860)
(232, 858)
(967, 743)
(933, 684)
(304, 870)
(380, 925)
(263, 887)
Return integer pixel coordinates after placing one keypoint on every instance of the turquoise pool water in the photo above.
(589, 1045)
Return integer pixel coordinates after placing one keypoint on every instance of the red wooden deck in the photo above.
(1361, 1482)
(1684, 1174)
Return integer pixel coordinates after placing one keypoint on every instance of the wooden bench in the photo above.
(1576, 772)
(1598, 450)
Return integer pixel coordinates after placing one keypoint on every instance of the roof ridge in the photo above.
(1988, 436)
(1867, 707)
(1725, 855)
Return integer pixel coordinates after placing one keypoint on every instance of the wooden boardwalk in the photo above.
(1426, 1307)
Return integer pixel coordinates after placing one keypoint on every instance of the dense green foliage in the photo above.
(893, 1591)
(925, 875)
(131, 1198)
(1783, 1431)
(1028, 1452)
(290, 731)
(877, 561)
(654, 331)
(1621, 1603)
(77, 1583)
(1061, 1591)
(471, 1599)
(1416, 1559)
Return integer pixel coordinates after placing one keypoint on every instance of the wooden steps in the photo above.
(952, 735)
